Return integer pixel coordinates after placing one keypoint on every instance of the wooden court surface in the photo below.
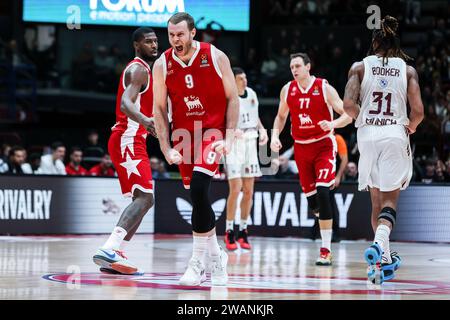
(276, 268)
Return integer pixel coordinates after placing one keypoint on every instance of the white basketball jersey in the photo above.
(383, 93)
(248, 110)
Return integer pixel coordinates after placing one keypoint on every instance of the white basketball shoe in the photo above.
(115, 260)
(219, 275)
(194, 274)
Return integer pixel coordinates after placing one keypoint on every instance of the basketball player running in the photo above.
(242, 165)
(383, 84)
(196, 80)
(311, 102)
(128, 150)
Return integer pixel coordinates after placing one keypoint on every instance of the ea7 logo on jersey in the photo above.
(185, 209)
(305, 119)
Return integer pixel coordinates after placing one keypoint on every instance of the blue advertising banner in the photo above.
(233, 15)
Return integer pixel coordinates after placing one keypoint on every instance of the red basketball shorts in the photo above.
(198, 155)
(130, 158)
(316, 164)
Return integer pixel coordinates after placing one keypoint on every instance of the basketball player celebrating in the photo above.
(242, 165)
(311, 102)
(384, 83)
(128, 150)
(197, 81)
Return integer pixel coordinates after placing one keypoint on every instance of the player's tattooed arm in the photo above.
(333, 99)
(280, 120)
(352, 90)
(136, 78)
(414, 99)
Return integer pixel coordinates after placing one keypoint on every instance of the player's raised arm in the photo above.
(231, 93)
(280, 120)
(352, 89)
(414, 99)
(135, 78)
(161, 113)
(336, 103)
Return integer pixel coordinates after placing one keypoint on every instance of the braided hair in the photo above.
(385, 40)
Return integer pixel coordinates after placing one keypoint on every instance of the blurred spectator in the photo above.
(5, 152)
(412, 11)
(53, 163)
(17, 157)
(34, 162)
(93, 151)
(212, 31)
(430, 171)
(283, 167)
(351, 172)
(74, 167)
(341, 160)
(82, 65)
(104, 168)
(158, 169)
(305, 7)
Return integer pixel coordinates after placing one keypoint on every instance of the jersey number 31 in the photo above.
(378, 98)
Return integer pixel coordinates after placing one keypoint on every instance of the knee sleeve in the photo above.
(388, 214)
(313, 204)
(203, 217)
(323, 197)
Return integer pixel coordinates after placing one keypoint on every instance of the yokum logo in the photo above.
(148, 6)
(25, 204)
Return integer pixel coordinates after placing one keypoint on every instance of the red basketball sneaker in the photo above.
(325, 258)
(229, 240)
(243, 239)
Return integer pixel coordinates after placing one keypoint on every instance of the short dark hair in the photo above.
(13, 150)
(237, 70)
(56, 145)
(182, 16)
(138, 34)
(75, 149)
(34, 156)
(302, 55)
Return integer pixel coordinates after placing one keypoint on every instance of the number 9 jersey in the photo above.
(195, 89)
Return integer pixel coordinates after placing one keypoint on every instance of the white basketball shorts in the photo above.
(242, 161)
(385, 158)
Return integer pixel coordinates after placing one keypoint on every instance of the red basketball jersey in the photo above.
(144, 103)
(307, 108)
(195, 89)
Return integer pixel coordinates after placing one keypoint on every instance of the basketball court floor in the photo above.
(276, 268)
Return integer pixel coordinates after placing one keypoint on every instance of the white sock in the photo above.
(124, 245)
(382, 238)
(199, 248)
(243, 225)
(326, 238)
(213, 245)
(229, 225)
(115, 239)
